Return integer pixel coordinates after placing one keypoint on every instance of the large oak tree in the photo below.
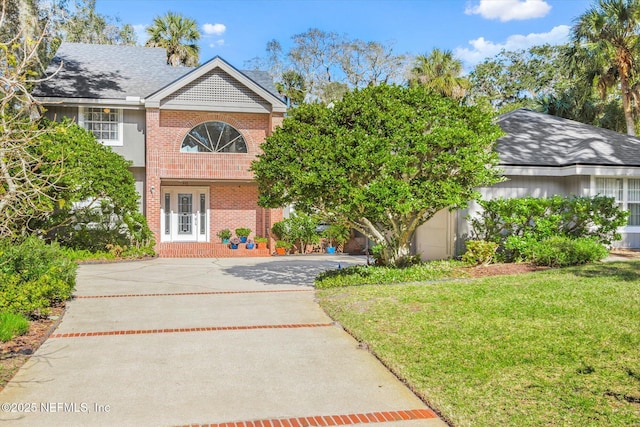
(383, 160)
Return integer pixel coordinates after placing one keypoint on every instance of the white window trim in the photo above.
(110, 142)
(624, 201)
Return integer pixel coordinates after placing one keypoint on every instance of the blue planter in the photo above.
(331, 250)
(250, 245)
(243, 240)
(225, 241)
(232, 246)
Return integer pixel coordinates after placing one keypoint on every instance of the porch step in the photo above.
(207, 250)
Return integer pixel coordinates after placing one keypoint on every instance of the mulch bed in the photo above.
(503, 269)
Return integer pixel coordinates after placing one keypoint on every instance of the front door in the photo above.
(185, 214)
(186, 218)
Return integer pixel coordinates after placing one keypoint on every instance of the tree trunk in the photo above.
(626, 104)
(397, 255)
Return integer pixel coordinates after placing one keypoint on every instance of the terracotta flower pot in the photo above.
(281, 251)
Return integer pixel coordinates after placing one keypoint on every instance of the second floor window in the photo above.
(214, 137)
(105, 123)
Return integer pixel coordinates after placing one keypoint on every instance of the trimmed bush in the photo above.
(479, 252)
(575, 217)
(562, 251)
(517, 249)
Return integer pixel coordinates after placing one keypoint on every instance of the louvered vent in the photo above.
(215, 87)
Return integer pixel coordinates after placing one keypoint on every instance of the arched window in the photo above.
(213, 137)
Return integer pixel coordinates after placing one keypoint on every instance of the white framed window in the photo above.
(106, 123)
(625, 191)
(214, 137)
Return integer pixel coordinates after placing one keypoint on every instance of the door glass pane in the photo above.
(167, 213)
(185, 211)
(203, 214)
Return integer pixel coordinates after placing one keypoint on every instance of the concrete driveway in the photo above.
(226, 342)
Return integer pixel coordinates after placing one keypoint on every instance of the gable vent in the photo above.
(217, 87)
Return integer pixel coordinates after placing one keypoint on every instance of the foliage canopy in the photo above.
(383, 160)
(96, 199)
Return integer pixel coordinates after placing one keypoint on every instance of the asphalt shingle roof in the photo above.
(538, 139)
(114, 72)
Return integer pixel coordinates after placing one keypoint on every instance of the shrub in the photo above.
(479, 252)
(597, 217)
(562, 251)
(517, 249)
(12, 325)
(300, 228)
(260, 239)
(337, 233)
(34, 276)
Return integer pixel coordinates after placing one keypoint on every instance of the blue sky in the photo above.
(238, 30)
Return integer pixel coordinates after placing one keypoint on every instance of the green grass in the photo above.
(12, 325)
(559, 347)
(373, 275)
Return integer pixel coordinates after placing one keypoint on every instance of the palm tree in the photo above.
(607, 38)
(178, 35)
(439, 71)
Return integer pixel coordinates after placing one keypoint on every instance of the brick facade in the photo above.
(233, 194)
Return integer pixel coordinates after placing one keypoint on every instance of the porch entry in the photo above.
(184, 214)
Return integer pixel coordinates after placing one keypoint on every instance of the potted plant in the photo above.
(243, 233)
(282, 247)
(224, 235)
(336, 234)
(234, 242)
(250, 244)
(261, 242)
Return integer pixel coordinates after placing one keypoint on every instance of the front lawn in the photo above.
(556, 347)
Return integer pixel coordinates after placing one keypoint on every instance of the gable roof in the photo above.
(538, 139)
(98, 71)
(210, 81)
(114, 72)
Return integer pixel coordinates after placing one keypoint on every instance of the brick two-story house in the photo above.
(190, 133)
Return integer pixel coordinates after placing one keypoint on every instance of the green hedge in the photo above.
(575, 217)
(531, 229)
(34, 276)
(562, 251)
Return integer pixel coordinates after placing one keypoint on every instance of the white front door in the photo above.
(185, 214)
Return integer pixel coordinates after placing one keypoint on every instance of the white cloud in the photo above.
(215, 29)
(216, 43)
(141, 33)
(482, 48)
(506, 10)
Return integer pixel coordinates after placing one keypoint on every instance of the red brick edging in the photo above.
(190, 293)
(330, 420)
(175, 330)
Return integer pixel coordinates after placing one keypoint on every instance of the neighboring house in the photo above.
(191, 134)
(543, 156)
